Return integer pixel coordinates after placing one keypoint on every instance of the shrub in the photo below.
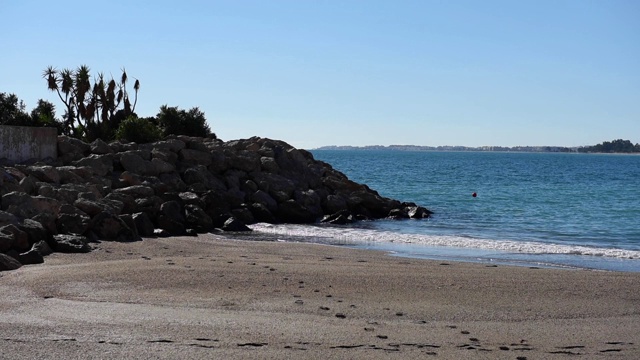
(140, 130)
(174, 121)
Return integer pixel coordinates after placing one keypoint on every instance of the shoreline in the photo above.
(214, 296)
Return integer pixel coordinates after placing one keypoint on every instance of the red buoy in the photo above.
(474, 194)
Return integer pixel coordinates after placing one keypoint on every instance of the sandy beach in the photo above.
(212, 297)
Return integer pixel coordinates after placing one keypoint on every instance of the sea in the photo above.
(559, 210)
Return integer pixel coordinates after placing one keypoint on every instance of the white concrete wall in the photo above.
(21, 143)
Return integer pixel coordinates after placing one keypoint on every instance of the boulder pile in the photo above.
(179, 186)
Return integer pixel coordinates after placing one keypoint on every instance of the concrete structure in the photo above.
(22, 143)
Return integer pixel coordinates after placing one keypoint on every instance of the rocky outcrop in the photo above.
(182, 185)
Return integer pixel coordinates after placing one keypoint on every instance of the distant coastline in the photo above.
(453, 148)
(609, 147)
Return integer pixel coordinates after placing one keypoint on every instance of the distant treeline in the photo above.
(615, 146)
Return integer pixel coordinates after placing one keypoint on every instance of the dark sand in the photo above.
(207, 297)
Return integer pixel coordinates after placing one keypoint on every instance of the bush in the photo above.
(174, 121)
(139, 130)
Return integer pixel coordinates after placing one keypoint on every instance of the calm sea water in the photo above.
(533, 209)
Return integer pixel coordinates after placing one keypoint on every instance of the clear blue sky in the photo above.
(343, 72)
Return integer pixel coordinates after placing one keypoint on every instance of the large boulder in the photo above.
(197, 219)
(6, 242)
(234, 225)
(195, 157)
(44, 173)
(100, 165)
(13, 236)
(98, 146)
(108, 226)
(7, 218)
(292, 211)
(8, 263)
(34, 230)
(144, 225)
(70, 244)
(171, 218)
(131, 161)
(72, 223)
(30, 257)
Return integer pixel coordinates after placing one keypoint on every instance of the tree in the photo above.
(12, 111)
(44, 114)
(174, 121)
(90, 107)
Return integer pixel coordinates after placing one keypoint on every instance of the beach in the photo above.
(214, 297)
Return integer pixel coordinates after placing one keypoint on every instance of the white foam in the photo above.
(358, 236)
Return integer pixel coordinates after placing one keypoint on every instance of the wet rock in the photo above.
(235, 225)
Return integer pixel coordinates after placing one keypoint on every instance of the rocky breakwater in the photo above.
(179, 186)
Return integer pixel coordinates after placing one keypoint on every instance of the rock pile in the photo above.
(179, 186)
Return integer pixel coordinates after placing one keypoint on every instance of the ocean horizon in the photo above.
(562, 210)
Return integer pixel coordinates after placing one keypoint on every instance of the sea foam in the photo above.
(339, 235)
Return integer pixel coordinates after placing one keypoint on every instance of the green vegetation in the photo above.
(140, 130)
(100, 109)
(615, 146)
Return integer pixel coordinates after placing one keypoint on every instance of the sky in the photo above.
(348, 72)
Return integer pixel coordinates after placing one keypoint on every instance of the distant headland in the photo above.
(615, 146)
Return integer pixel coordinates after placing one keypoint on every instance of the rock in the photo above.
(197, 219)
(243, 214)
(19, 239)
(189, 198)
(91, 208)
(8, 263)
(235, 225)
(265, 199)
(108, 226)
(70, 244)
(419, 212)
(34, 230)
(170, 144)
(293, 212)
(195, 157)
(269, 164)
(143, 224)
(161, 233)
(30, 257)
(334, 204)
(28, 185)
(43, 248)
(262, 214)
(100, 147)
(133, 162)
(173, 181)
(128, 202)
(48, 222)
(72, 224)
(159, 166)
(6, 242)
(100, 165)
(136, 191)
(48, 174)
(339, 218)
(7, 218)
(128, 219)
(171, 218)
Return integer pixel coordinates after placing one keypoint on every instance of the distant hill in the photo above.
(615, 146)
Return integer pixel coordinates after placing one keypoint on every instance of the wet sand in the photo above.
(211, 297)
